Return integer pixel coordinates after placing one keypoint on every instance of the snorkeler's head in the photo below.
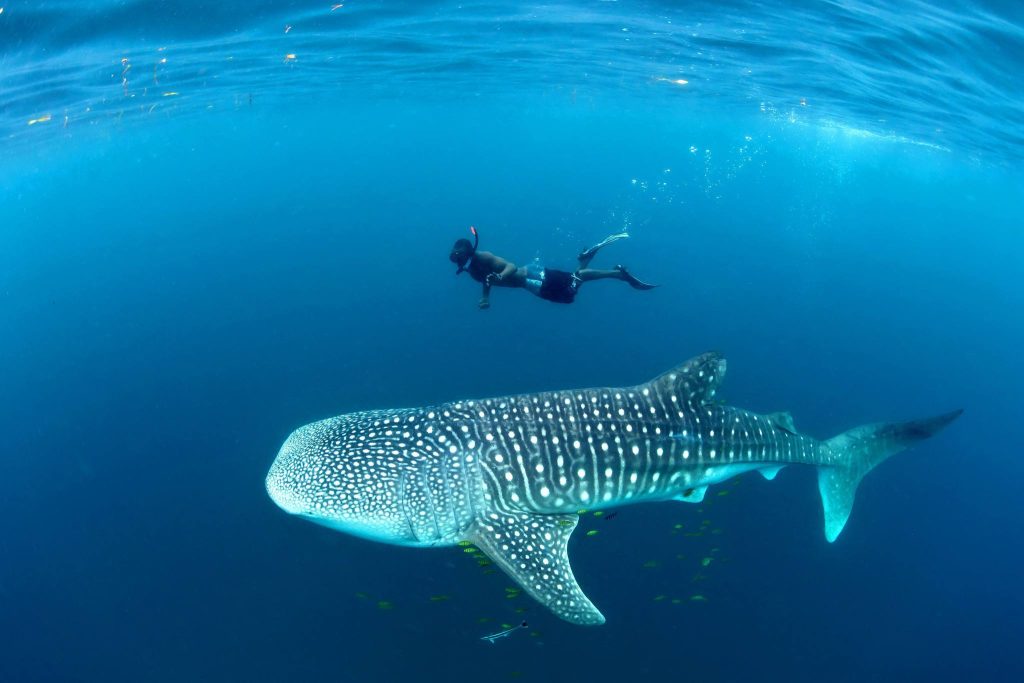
(463, 250)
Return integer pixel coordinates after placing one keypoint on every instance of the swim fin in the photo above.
(588, 254)
(634, 281)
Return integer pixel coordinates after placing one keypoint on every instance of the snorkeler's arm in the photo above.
(507, 270)
(485, 299)
(500, 268)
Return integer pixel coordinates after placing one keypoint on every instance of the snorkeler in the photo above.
(547, 283)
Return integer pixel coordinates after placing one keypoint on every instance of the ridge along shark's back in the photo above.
(509, 473)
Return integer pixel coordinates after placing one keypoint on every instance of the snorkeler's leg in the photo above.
(618, 273)
(587, 255)
(588, 274)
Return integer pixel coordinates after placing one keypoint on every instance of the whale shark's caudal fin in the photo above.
(859, 451)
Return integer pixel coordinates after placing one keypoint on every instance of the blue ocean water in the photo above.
(222, 221)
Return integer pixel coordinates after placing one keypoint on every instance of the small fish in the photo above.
(440, 598)
(503, 634)
(706, 522)
(599, 513)
(483, 620)
(362, 596)
(678, 526)
(705, 561)
(659, 598)
(384, 604)
(676, 601)
(566, 522)
(581, 511)
(593, 532)
(698, 598)
(651, 564)
(724, 493)
(470, 550)
(465, 544)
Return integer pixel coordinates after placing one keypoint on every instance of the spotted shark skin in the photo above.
(509, 474)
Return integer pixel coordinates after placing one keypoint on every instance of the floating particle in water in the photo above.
(290, 57)
(593, 532)
(337, 6)
(287, 28)
(42, 119)
(706, 522)
(535, 634)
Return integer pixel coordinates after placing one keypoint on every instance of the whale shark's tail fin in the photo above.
(858, 451)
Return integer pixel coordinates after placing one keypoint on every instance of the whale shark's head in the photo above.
(344, 473)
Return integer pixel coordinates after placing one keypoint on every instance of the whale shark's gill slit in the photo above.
(401, 505)
(424, 472)
(449, 492)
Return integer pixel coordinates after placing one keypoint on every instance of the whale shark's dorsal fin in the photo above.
(694, 382)
(533, 550)
(783, 420)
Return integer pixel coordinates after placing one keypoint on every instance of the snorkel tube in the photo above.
(476, 242)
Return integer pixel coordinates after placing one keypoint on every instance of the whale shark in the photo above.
(509, 474)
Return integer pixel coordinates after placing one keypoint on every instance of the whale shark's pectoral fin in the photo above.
(692, 495)
(693, 383)
(533, 550)
(770, 472)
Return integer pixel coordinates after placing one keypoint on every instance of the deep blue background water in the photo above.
(180, 292)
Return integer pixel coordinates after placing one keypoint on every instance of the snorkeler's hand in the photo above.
(484, 304)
